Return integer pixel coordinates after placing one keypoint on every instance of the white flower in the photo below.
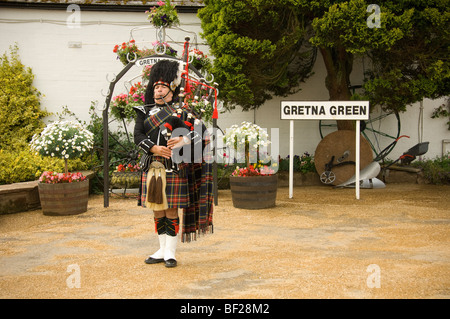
(63, 138)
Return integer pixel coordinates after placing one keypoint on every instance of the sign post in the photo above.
(324, 110)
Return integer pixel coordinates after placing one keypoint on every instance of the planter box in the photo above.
(254, 192)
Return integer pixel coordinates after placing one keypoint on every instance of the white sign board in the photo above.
(324, 110)
(153, 60)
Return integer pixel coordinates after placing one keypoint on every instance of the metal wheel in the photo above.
(327, 177)
(335, 157)
(380, 130)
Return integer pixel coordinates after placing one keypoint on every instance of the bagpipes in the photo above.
(193, 121)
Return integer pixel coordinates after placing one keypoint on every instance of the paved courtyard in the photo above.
(323, 243)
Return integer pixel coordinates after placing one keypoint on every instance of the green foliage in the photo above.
(443, 111)
(303, 164)
(23, 165)
(259, 45)
(416, 66)
(21, 118)
(345, 24)
(436, 171)
(20, 112)
(256, 45)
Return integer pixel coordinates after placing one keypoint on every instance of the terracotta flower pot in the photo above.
(254, 192)
(64, 198)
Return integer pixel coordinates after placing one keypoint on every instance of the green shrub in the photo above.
(436, 171)
(24, 165)
(303, 164)
(20, 112)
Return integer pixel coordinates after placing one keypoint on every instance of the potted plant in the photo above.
(165, 15)
(63, 193)
(127, 52)
(126, 176)
(164, 48)
(199, 60)
(122, 104)
(253, 186)
(246, 141)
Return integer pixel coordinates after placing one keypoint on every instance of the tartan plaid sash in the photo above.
(159, 118)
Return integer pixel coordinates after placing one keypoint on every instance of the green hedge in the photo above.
(22, 166)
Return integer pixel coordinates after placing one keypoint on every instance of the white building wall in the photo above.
(77, 76)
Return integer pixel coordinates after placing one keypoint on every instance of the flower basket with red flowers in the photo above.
(199, 60)
(63, 193)
(126, 176)
(122, 104)
(127, 52)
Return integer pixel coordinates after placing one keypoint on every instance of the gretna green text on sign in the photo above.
(324, 110)
(152, 60)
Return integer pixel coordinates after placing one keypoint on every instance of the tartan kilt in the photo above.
(176, 189)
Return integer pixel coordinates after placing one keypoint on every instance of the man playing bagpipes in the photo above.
(176, 165)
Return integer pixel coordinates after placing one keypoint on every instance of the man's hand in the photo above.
(175, 142)
(163, 151)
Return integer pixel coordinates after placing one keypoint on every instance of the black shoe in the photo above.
(151, 260)
(170, 263)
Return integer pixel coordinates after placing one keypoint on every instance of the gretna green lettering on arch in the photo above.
(324, 110)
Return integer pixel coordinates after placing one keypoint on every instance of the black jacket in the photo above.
(144, 142)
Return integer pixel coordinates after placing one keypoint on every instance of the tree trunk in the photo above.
(338, 64)
(66, 170)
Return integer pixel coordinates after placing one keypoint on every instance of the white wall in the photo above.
(77, 76)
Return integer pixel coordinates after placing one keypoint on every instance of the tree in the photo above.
(408, 47)
(417, 65)
(260, 49)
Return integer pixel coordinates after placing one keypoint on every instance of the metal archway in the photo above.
(194, 75)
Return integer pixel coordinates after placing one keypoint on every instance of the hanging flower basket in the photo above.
(165, 15)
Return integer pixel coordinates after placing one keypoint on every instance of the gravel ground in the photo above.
(323, 243)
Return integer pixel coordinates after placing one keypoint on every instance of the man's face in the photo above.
(161, 91)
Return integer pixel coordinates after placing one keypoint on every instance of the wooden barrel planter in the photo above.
(64, 198)
(254, 192)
